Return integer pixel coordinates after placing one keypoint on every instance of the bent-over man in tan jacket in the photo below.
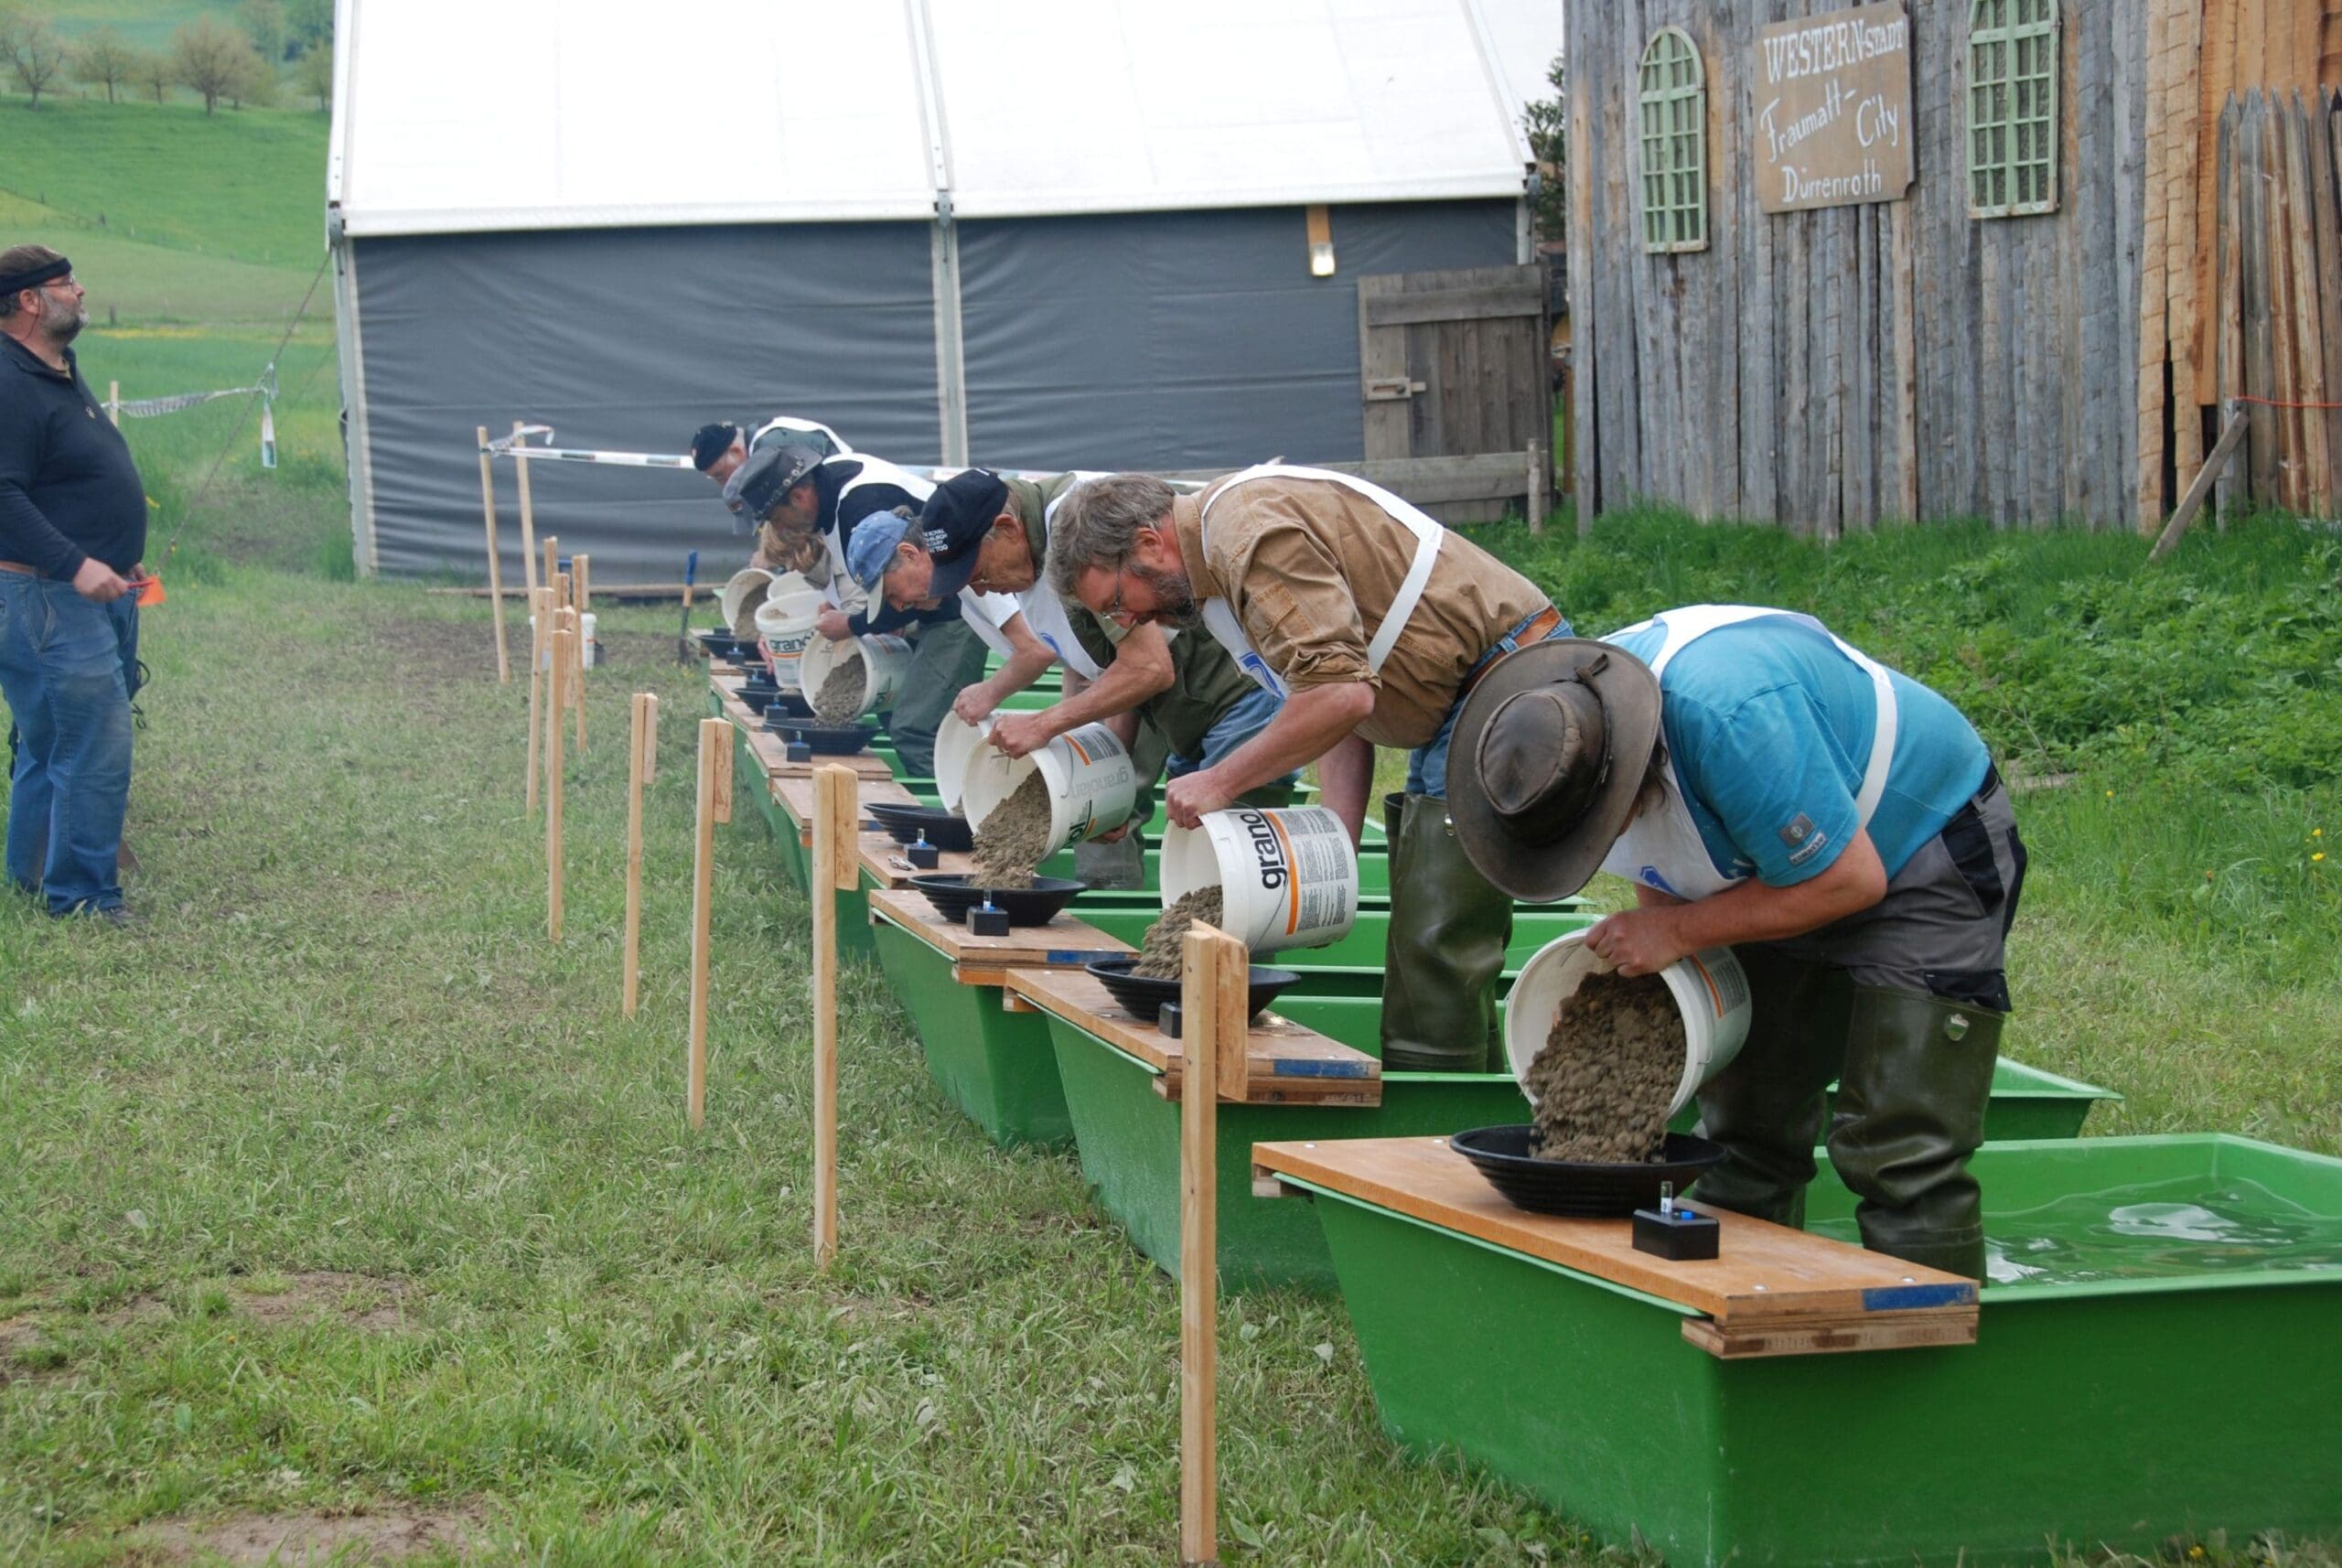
(1370, 621)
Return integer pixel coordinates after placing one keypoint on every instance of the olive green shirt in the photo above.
(1310, 567)
(1205, 681)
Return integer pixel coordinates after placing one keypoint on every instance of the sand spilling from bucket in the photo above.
(1014, 838)
(840, 699)
(1603, 1082)
(1159, 955)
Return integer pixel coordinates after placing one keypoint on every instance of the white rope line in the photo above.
(516, 447)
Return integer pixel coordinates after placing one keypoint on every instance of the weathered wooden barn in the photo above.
(1937, 259)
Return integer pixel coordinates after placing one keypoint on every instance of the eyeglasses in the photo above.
(1114, 611)
(65, 282)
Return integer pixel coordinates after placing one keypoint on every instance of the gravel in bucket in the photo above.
(1159, 952)
(1609, 1070)
(840, 698)
(1014, 838)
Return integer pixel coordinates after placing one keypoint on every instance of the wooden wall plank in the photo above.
(2308, 318)
(2217, 81)
(2253, 230)
(2326, 177)
(1587, 326)
(2154, 289)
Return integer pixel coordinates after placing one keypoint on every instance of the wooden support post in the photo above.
(581, 570)
(836, 869)
(495, 565)
(562, 638)
(577, 676)
(645, 740)
(715, 805)
(2193, 502)
(114, 404)
(1212, 1000)
(552, 569)
(528, 515)
(540, 655)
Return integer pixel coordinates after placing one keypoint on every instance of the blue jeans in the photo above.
(67, 666)
(1240, 724)
(1427, 765)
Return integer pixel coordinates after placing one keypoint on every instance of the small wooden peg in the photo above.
(1211, 987)
(714, 750)
(562, 654)
(528, 515)
(644, 713)
(495, 565)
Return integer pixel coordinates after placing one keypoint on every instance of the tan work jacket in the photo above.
(1310, 567)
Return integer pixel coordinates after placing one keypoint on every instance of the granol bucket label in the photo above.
(1301, 860)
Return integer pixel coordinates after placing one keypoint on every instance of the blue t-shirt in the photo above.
(1769, 727)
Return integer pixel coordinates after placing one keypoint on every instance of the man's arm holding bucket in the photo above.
(1315, 723)
(1645, 941)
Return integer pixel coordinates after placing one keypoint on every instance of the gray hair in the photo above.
(1097, 523)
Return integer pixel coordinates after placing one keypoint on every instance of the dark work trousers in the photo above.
(1903, 1003)
(68, 670)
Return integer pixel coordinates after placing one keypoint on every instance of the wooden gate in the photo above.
(1454, 369)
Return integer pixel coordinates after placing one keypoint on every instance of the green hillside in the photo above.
(149, 24)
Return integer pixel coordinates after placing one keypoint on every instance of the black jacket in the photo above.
(68, 489)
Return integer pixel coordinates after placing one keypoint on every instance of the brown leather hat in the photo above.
(1545, 762)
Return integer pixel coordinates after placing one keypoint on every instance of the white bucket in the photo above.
(884, 662)
(1092, 783)
(1288, 876)
(591, 653)
(785, 626)
(1710, 990)
(746, 590)
(956, 743)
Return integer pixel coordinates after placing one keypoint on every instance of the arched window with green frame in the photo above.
(1672, 89)
(2012, 107)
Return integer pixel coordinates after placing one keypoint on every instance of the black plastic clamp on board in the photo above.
(987, 920)
(923, 854)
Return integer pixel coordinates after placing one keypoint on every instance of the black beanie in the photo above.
(710, 442)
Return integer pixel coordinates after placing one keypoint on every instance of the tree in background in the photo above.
(308, 24)
(155, 70)
(214, 62)
(1547, 124)
(263, 23)
(104, 60)
(35, 55)
(314, 72)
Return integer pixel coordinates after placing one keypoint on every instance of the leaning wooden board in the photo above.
(985, 960)
(1284, 1063)
(1771, 1291)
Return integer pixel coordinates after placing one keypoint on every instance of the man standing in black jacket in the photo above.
(72, 529)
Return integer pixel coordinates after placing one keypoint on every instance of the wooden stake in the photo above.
(562, 654)
(1213, 1001)
(529, 516)
(114, 404)
(836, 870)
(540, 632)
(715, 805)
(553, 564)
(581, 569)
(495, 567)
(638, 773)
(577, 676)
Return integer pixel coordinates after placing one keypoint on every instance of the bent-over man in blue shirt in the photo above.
(1838, 826)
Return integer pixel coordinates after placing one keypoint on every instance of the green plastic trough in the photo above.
(2107, 1411)
(993, 1064)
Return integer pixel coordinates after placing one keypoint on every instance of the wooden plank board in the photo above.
(1476, 302)
(1766, 1277)
(1284, 1063)
(1064, 943)
(2312, 485)
(885, 862)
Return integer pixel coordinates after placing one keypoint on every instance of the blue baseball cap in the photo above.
(872, 545)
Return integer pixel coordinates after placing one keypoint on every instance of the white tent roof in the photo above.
(497, 114)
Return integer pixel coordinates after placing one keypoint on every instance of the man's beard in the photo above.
(1175, 600)
(61, 324)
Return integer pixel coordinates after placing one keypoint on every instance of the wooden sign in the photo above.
(1833, 119)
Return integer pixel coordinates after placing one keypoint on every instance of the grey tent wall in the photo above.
(1176, 340)
(1186, 340)
(628, 338)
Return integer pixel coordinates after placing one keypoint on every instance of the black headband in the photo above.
(48, 272)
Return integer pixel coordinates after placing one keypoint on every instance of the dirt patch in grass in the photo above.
(24, 1354)
(310, 1539)
(424, 651)
(362, 1301)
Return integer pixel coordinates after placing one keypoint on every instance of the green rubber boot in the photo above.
(1448, 931)
(1911, 1102)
